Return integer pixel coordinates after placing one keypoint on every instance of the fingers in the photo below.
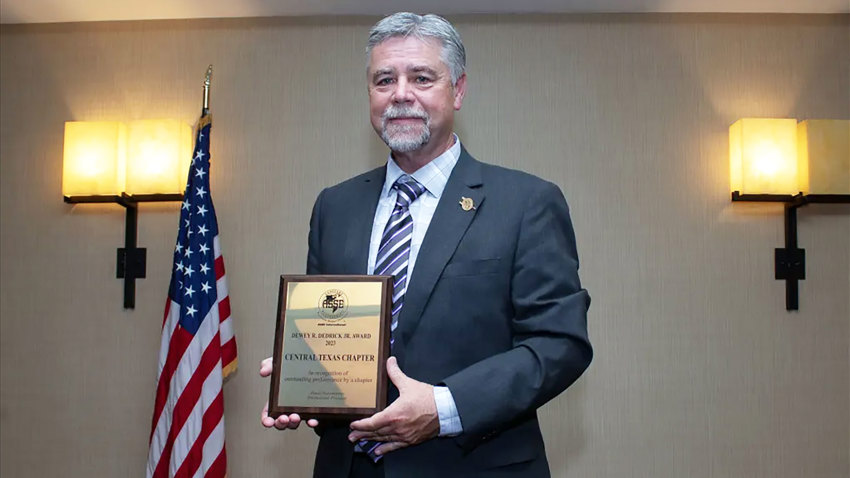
(284, 422)
(397, 377)
(375, 422)
(265, 419)
(377, 427)
(411, 419)
(266, 367)
(388, 447)
(287, 422)
(265, 371)
(382, 435)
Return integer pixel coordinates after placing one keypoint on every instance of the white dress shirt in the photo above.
(433, 176)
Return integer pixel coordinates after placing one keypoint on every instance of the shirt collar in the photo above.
(434, 175)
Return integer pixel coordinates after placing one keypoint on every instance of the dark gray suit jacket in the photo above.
(494, 310)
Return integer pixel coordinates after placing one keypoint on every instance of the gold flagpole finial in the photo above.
(206, 109)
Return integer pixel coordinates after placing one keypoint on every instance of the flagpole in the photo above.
(206, 110)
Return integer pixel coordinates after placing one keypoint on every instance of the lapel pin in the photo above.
(466, 203)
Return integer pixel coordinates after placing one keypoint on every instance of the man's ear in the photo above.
(460, 91)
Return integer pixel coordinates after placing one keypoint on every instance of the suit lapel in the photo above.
(447, 228)
(365, 200)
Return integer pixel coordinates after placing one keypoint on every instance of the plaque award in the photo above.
(331, 345)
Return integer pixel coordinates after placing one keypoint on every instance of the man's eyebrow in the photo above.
(422, 68)
(382, 71)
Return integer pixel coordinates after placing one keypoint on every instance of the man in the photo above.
(492, 321)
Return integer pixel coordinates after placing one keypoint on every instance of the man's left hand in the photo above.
(409, 420)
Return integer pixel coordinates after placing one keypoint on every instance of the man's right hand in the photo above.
(284, 421)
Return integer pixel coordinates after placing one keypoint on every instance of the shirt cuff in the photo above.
(447, 412)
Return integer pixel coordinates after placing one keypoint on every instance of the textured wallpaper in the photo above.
(699, 371)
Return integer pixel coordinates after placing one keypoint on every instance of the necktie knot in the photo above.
(408, 190)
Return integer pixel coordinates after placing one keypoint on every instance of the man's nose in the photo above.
(403, 92)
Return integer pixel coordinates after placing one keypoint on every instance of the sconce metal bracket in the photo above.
(790, 264)
(132, 260)
(131, 263)
(790, 261)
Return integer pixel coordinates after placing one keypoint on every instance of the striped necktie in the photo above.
(394, 249)
(393, 257)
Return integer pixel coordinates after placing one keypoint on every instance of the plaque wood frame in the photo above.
(385, 317)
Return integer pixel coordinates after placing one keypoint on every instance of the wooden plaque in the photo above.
(332, 341)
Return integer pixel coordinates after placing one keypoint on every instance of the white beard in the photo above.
(405, 138)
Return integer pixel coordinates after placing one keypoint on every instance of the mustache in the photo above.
(393, 112)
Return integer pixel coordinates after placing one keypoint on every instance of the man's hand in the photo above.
(407, 421)
(284, 421)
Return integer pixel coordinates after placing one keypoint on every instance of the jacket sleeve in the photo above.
(314, 265)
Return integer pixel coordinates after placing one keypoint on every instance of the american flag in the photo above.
(198, 348)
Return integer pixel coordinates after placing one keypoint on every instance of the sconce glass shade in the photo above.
(94, 158)
(763, 156)
(158, 156)
(824, 156)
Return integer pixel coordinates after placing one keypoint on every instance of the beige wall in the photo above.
(699, 370)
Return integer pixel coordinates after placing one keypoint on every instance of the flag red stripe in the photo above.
(219, 466)
(186, 402)
(228, 352)
(180, 341)
(193, 460)
(224, 309)
(228, 349)
(219, 267)
(167, 308)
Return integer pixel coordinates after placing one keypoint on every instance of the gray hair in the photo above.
(422, 27)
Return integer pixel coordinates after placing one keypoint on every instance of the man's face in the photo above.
(411, 96)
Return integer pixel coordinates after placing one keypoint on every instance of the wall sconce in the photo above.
(113, 162)
(778, 160)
